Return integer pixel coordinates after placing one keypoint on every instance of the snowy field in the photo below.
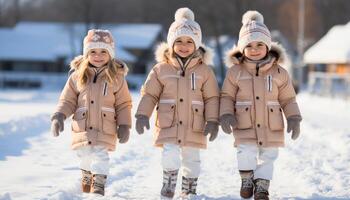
(35, 165)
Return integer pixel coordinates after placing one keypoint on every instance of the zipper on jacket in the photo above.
(257, 69)
(269, 83)
(193, 80)
(97, 72)
(105, 89)
(95, 78)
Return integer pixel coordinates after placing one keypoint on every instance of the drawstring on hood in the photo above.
(183, 62)
(97, 70)
(260, 63)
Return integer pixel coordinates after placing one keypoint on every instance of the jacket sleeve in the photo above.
(67, 103)
(286, 97)
(228, 93)
(211, 97)
(150, 93)
(123, 104)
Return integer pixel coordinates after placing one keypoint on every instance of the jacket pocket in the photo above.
(79, 120)
(243, 114)
(198, 116)
(109, 122)
(275, 116)
(166, 113)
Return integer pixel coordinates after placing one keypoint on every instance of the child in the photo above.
(184, 88)
(97, 95)
(255, 92)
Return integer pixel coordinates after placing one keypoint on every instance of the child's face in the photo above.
(255, 50)
(184, 46)
(98, 57)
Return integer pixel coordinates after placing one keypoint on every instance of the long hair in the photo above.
(81, 65)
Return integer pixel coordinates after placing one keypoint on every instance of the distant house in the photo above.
(140, 40)
(332, 50)
(49, 47)
(328, 61)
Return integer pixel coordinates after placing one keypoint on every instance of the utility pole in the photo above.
(300, 42)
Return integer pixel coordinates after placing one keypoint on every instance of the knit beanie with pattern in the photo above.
(253, 29)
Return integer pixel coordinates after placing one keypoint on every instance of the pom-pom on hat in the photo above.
(184, 25)
(253, 29)
(97, 38)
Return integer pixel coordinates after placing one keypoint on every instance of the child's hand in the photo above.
(123, 133)
(293, 124)
(228, 122)
(141, 122)
(57, 123)
(212, 129)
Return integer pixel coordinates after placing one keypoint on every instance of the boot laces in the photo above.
(262, 186)
(247, 183)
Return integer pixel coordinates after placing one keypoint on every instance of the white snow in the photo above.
(35, 165)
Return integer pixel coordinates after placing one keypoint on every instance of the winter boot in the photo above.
(98, 184)
(188, 187)
(169, 183)
(261, 191)
(247, 186)
(86, 180)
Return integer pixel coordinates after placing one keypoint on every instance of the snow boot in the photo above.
(188, 187)
(98, 184)
(169, 183)
(86, 180)
(261, 191)
(247, 186)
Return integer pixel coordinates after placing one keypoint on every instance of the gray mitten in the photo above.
(293, 124)
(212, 129)
(123, 133)
(57, 123)
(141, 122)
(228, 122)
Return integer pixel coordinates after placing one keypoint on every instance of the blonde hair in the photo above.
(81, 65)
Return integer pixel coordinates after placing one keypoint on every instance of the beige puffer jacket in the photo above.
(257, 101)
(97, 109)
(184, 103)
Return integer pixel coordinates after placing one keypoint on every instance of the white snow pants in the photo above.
(260, 160)
(94, 159)
(174, 156)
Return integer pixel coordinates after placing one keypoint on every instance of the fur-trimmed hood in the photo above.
(75, 63)
(162, 54)
(234, 56)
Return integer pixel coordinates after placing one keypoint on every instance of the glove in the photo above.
(227, 121)
(212, 129)
(57, 124)
(293, 124)
(123, 133)
(141, 122)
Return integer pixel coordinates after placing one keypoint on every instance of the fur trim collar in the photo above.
(75, 63)
(162, 54)
(234, 56)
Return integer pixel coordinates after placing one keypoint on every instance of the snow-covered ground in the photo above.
(35, 165)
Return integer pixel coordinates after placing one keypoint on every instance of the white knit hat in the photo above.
(97, 38)
(253, 29)
(184, 25)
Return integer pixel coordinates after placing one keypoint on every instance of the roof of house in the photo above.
(49, 41)
(332, 48)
